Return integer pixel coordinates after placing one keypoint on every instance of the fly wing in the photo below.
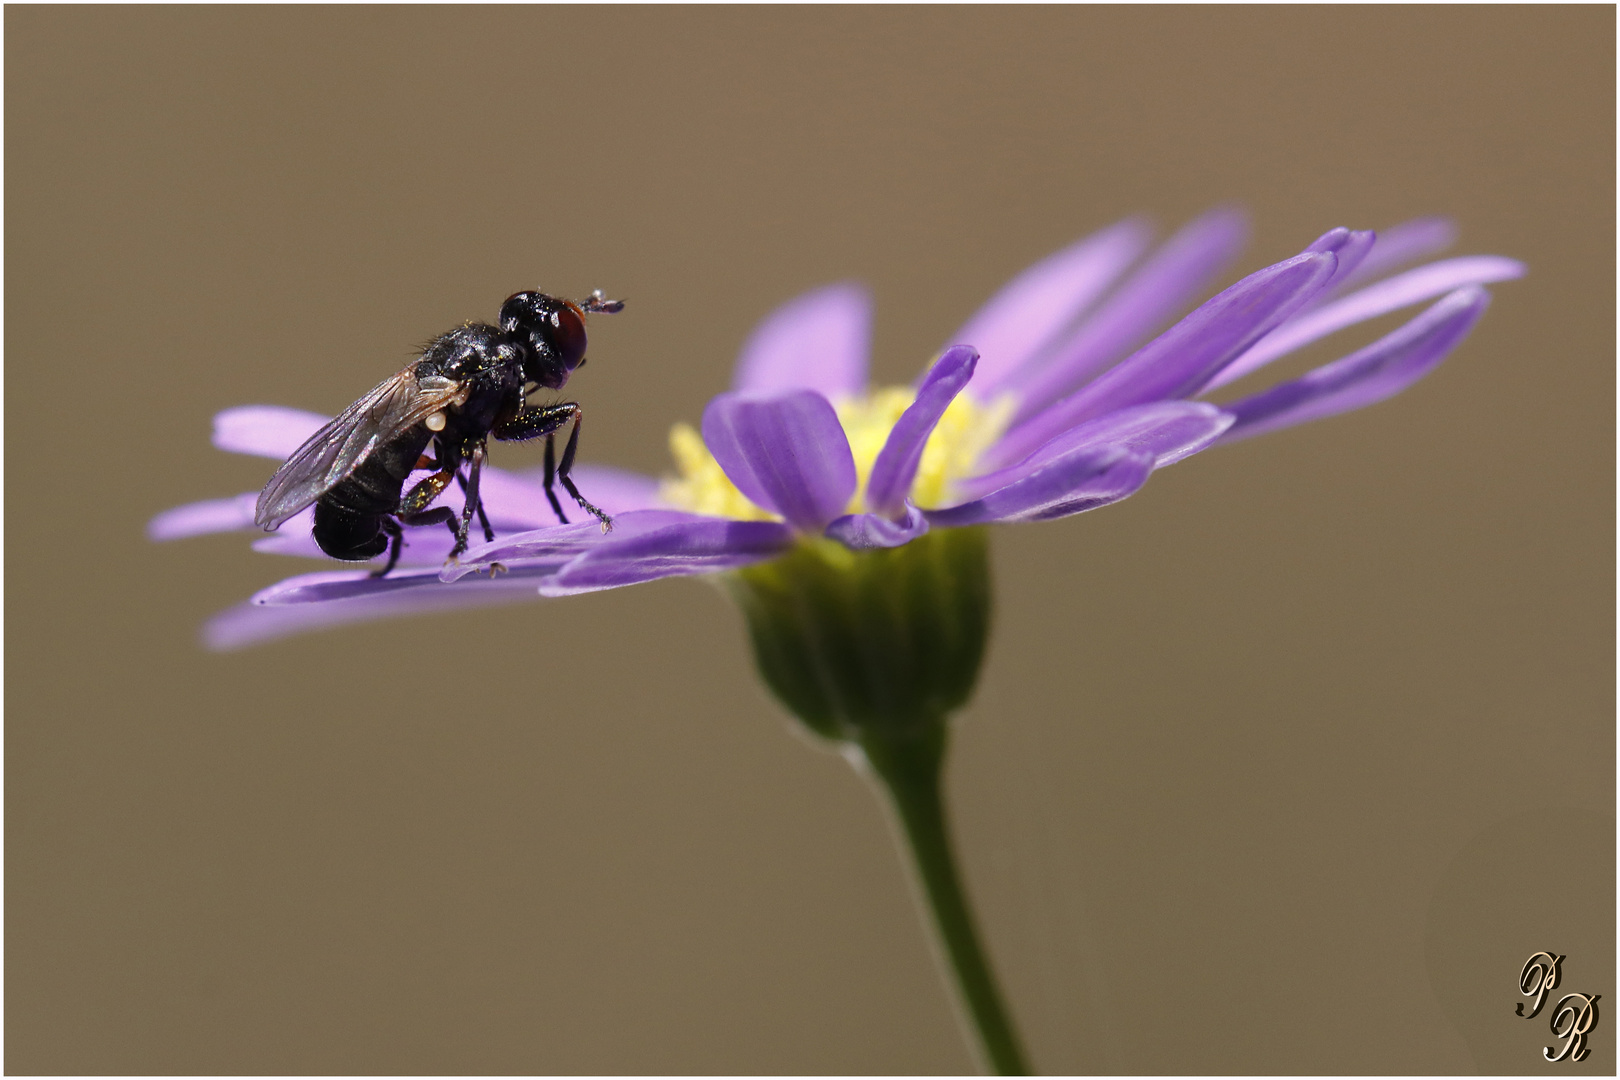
(393, 406)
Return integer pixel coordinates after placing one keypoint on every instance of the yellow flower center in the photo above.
(963, 433)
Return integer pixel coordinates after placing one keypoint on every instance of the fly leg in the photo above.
(430, 517)
(483, 519)
(413, 507)
(545, 420)
(476, 455)
(551, 474)
(417, 499)
(567, 465)
(396, 537)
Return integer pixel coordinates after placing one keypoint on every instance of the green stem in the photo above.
(910, 766)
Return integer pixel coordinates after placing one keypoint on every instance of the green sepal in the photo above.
(870, 643)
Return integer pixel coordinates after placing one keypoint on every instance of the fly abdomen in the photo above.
(349, 518)
(347, 534)
(374, 488)
(392, 462)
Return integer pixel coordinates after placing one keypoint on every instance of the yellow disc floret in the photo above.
(702, 486)
(963, 433)
(867, 421)
(966, 430)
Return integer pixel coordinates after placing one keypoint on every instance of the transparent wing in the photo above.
(334, 452)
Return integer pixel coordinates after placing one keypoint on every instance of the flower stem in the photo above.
(910, 765)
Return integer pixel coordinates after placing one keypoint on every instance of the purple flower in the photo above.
(1053, 399)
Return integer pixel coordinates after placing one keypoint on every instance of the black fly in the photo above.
(469, 384)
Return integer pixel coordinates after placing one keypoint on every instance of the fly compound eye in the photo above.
(566, 334)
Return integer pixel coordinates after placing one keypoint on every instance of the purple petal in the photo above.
(863, 531)
(327, 585)
(1182, 360)
(265, 430)
(1031, 309)
(816, 342)
(615, 490)
(200, 518)
(1381, 370)
(1398, 246)
(696, 547)
(424, 546)
(1349, 246)
(1392, 294)
(1078, 481)
(561, 543)
(512, 501)
(253, 624)
(786, 452)
(1161, 287)
(896, 464)
(1167, 430)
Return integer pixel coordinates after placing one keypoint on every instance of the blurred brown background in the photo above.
(1285, 764)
